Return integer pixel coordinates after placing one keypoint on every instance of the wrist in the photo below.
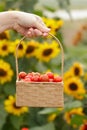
(7, 20)
(12, 15)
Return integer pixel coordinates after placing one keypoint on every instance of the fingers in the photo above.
(45, 34)
(27, 20)
(31, 32)
(35, 33)
(39, 24)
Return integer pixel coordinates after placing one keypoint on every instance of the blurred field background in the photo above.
(72, 33)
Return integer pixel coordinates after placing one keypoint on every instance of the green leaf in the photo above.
(9, 88)
(49, 126)
(49, 8)
(3, 116)
(2, 6)
(28, 5)
(67, 127)
(16, 121)
(36, 119)
(38, 12)
(78, 119)
(74, 104)
(48, 111)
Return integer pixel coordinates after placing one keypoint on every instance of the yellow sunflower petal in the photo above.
(21, 48)
(74, 87)
(31, 46)
(77, 69)
(47, 51)
(51, 117)
(6, 73)
(76, 111)
(4, 47)
(10, 106)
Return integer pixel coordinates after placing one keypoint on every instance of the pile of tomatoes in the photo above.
(37, 77)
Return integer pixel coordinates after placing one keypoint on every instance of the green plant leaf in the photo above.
(49, 126)
(48, 111)
(78, 119)
(28, 5)
(16, 121)
(3, 115)
(36, 119)
(74, 104)
(49, 8)
(9, 88)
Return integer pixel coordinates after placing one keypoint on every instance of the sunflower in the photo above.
(6, 72)
(67, 75)
(77, 69)
(53, 24)
(4, 47)
(76, 111)
(10, 106)
(4, 35)
(30, 48)
(83, 127)
(47, 51)
(59, 24)
(21, 48)
(50, 23)
(74, 86)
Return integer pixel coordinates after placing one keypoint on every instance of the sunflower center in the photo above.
(56, 29)
(49, 26)
(14, 105)
(2, 72)
(4, 47)
(20, 47)
(47, 52)
(73, 86)
(76, 71)
(30, 49)
(3, 36)
(85, 110)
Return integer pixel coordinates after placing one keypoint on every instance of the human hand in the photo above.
(29, 24)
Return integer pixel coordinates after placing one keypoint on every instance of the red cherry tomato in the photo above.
(44, 78)
(50, 80)
(50, 75)
(57, 79)
(25, 128)
(35, 78)
(22, 75)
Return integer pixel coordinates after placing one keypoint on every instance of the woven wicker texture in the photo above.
(39, 94)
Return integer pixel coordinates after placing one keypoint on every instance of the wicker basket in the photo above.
(39, 94)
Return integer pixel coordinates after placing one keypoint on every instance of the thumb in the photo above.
(42, 27)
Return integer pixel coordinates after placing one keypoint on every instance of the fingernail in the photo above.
(48, 29)
(45, 34)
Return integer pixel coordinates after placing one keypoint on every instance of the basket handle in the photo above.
(62, 58)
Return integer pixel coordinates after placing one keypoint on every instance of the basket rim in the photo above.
(19, 81)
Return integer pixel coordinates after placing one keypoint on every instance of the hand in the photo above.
(30, 25)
